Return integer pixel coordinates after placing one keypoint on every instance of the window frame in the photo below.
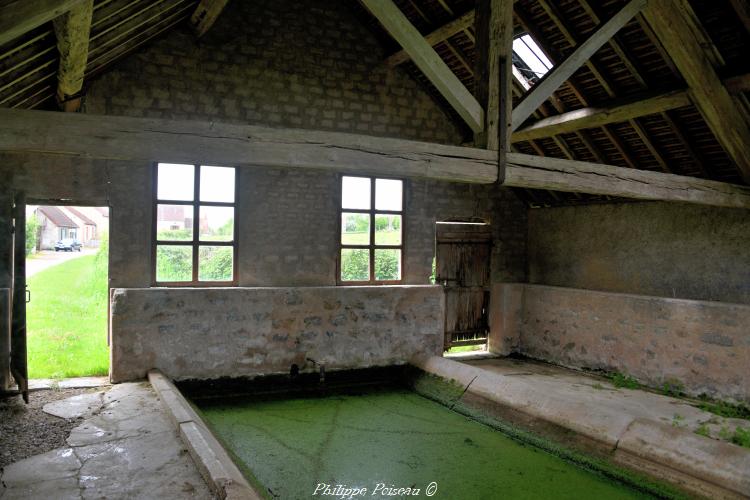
(371, 247)
(195, 243)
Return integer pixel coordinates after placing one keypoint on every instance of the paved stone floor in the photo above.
(597, 397)
(125, 448)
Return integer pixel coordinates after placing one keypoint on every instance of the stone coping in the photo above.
(694, 463)
(671, 300)
(214, 463)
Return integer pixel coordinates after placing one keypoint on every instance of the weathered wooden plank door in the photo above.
(18, 364)
(463, 268)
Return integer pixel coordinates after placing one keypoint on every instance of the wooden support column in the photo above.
(671, 21)
(494, 32)
(20, 16)
(206, 14)
(72, 30)
(565, 69)
(428, 61)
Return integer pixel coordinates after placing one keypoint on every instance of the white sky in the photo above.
(355, 193)
(527, 49)
(175, 182)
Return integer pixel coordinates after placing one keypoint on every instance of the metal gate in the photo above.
(463, 268)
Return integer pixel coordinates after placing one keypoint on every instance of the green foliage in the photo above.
(724, 409)
(741, 437)
(355, 264)
(702, 430)
(215, 264)
(357, 223)
(174, 263)
(432, 276)
(626, 381)
(678, 420)
(175, 234)
(67, 319)
(673, 387)
(32, 230)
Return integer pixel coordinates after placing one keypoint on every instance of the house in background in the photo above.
(86, 224)
(54, 225)
(87, 234)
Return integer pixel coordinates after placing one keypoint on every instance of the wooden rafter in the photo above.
(674, 24)
(435, 37)
(742, 8)
(21, 16)
(428, 61)
(72, 30)
(180, 141)
(599, 116)
(206, 14)
(565, 69)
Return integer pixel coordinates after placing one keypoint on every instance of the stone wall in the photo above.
(286, 63)
(235, 332)
(702, 346)
(664, 249)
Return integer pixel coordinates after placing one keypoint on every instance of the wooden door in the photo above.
(463, 268)
(18, 365)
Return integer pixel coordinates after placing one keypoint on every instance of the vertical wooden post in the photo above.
(494, 45)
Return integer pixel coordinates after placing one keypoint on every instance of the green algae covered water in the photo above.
(391, 444)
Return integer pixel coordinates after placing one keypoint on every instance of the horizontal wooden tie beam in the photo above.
(183, 141)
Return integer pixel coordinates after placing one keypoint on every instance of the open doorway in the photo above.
(462, 267)
(67, 255)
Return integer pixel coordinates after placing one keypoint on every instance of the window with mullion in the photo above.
(371, 230)
(194, 225)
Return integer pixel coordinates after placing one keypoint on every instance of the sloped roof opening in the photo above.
(529, 61)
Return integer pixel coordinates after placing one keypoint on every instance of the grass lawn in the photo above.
(363, 238)
(67, 319)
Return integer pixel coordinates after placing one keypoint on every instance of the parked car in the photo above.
(68, 245)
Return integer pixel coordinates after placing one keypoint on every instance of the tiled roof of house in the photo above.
(81, 216)
(57, 217)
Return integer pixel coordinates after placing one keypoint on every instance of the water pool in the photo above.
(395, 438)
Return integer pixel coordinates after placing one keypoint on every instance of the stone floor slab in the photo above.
(81, 405)
(128, 450)
(38, 384)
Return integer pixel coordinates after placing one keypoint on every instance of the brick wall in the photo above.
(287, 63)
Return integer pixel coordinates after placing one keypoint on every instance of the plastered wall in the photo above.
(664, 249)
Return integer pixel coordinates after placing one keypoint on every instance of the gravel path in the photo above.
(25, 430)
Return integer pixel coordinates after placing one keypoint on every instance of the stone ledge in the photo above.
(694, 463)
(212, 460)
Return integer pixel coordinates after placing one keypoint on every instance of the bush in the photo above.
(32, 229)
(355, 265)
(216, 263)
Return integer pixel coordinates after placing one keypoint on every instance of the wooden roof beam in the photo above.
(538, 172)
(671, 20)
(434, 38)
(180, 141)
(206, 14)
(737, 84)
(565, 69)
(72, 30)
(599, 116)
(21, 16)
(428, 61)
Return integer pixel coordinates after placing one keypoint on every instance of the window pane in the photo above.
(388, 194)
(387, 229)
(174, 222)
(174, 263)
(175, 182)
(217, 184)
(355, 192)
(215, 263)
(355, 229)
(216, 223)
(355, 264)
(387, 264)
